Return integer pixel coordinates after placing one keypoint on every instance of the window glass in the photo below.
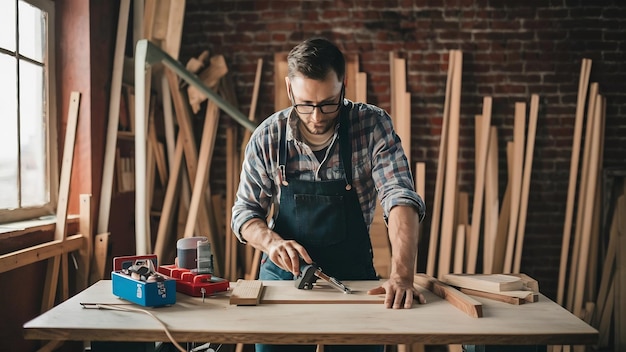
(7, 25)
(32, 31)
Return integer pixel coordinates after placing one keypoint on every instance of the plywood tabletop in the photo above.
(215, 320)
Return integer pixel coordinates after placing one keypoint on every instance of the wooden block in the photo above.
(483, 282)
(247, 293)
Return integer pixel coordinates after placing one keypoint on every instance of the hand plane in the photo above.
(309, 275)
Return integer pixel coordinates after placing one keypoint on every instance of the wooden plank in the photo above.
(582, 194)
(246, 293)
(458, 299)
(352, 69)
(492, 203)
(516, 182)
(479, 185)
(34, 254)
(528, 165)
(494, 296)
(113, 118)
(281, 98)
(594, 166)
(503, 218)
(164, 236)
(608, 269)
(59, 262)
(449, 205)
(175, 19)
(86, 253)
(441, 164)
(99, 260)
(361, 90)
(573, 176)
(459, 248)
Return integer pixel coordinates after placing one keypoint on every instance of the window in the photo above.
(28, 150)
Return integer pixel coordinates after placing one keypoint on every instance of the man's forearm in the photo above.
(403, 224)
(258, 234)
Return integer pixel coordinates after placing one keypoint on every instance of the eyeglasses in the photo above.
(325, 108)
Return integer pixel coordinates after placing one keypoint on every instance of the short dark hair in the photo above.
(315, 58)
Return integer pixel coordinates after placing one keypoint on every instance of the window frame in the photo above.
(24, 213)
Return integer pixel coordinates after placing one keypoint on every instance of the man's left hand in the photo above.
(398, 293)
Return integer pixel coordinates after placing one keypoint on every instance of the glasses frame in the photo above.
(337, 105)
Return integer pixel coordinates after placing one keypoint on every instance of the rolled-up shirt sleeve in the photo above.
(256, 185)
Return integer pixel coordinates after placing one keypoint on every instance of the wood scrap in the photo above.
(246, 293)
(458, 299)
(281, 98)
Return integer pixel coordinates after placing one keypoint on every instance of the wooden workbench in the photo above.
(215, 320)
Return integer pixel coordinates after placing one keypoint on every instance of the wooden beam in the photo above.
(47, 250)
(86, 253)
(281, 99)
(468, 305)
(479, 185)
(503, 218)
(492, 203)
(573, 175)
(113, 118)
(449, 205)
(582, 194)
(516, 182)
(59, 262)
(528, 165)
(594, 166)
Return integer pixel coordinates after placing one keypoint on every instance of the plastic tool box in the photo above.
(148, 294)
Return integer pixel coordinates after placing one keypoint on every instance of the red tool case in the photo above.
(192, 284)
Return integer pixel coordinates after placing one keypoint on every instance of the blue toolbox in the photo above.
(136, 279)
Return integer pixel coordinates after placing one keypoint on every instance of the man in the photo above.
(322, 163)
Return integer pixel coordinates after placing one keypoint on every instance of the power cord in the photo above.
(131, 309)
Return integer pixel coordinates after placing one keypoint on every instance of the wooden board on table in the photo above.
(285, 292)
(485, 282)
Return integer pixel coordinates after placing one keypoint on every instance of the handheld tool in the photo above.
(309, 275)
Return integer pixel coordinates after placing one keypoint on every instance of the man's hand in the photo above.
(398, 293)
(287, 253)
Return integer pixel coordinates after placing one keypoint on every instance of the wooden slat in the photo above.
(503, 218)
(361, 91)
(468, 305)
(441, 164)
(582, 194)
(59, 262)
(608, 270)
(34, 254)
(99, 260)
(494, 296)
(113, 118)
(594, 166)
(516, 182)
(164, 236)
(86, 253)
(447, 226)
(528, 165)
(175, 19)
(281, 99)
(459, 249)
(573, 176)
(479, 185)
(492, 203)
(352, 69)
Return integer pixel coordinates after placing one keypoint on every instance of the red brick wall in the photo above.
(511, 49)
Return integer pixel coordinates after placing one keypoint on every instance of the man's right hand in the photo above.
(287, 255)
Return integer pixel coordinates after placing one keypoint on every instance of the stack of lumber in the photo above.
(454, 239)
(513, 289)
